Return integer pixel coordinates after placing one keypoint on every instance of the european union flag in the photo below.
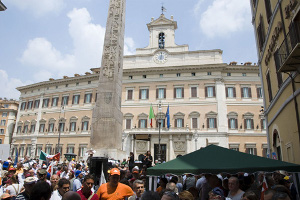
(168, 118)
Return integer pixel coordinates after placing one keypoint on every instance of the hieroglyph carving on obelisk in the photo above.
(106, 133)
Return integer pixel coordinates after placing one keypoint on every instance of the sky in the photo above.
(42, 39)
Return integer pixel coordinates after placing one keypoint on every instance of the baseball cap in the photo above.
(30, 180)
(115, 171)
(77, 173)
(218, 191)
(42, 171)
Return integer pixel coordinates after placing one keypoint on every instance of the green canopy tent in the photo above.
(214, 159)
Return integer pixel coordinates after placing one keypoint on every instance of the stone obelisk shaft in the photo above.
(106, 136)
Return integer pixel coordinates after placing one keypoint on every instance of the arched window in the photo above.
(276, 144)
(161, 40)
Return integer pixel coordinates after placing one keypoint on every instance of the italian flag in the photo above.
(151, 116)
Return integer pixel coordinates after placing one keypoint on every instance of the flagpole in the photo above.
(159, 124)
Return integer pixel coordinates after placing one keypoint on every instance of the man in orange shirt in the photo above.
(113, 190)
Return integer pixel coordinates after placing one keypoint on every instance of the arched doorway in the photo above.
(276, 144)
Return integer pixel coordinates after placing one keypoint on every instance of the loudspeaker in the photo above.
(97, 164)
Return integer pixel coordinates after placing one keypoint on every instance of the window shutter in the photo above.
(245, 124)
(146, 125)
(242, 92)
(73, 99)
(165, 93)
(175, 123)
(95, 97)
(70, 126)
(255, 151)
(82, 125)
(207, 123)
(236, 124)
(129, 94)
(261, 124)
(91, 97)
(247, 150)
(249, 91)
(195, 121)
(139, 123)
(128, 123)
(214, 91)
(183, 123)
(257, 92)
(163, 123)
(215, 121)
(182, 92)
(174, 93)
(252, 124)
(140, 94)
(79, 98)
(194, 91)
(87, 126)
(157, 93)
(147, 94)
(229, 126)
(205, 91)
(234, 92)
(226, 90)
(85, 98)
(157, 123)
(26, 150)
(67, 149)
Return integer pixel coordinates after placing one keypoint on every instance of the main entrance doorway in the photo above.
(163, 152)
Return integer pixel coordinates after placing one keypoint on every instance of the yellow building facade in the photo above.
(277, 29)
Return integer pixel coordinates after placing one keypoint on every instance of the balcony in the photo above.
(287, 57)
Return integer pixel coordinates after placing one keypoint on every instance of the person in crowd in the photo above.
(148, 159)
(168, 195)
(171, 186)
(71, 178)
(185, 195)
(28, 185)
(131, 160)
(288, 184)
(86, 191)
(205, 188)
(150, 195)
(34, 168)
(65, 173)
(189, 182)
(19, 169)
(40, 191)
(178, 185)
(235, 193)
(250, 195)
(15, 188)
(138, 189)
(268, 195)
(278, 176)
(63, 187)
(59, 170)
(54, 180)
(114, 189)
(77, 182)
(216, 193)
(162, 185)
(71, 195)
(42, 176)
(6, 196)
(281, 196)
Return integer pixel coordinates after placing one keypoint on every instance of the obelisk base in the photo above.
(114, 154)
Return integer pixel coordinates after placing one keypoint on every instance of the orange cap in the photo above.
(115, 171)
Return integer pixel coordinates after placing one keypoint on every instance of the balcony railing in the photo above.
(287, 57)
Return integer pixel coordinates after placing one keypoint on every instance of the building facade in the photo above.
(8, 114)
(209, 102)
(277, 26)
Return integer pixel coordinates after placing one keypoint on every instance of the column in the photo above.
(221, 106)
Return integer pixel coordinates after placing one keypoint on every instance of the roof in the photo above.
(214, 159)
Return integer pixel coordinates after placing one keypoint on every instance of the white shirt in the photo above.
(13, 188)
(64, 175)
(55, 195)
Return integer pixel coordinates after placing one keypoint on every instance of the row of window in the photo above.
(64, 101)
(51, 127)
(179, 75)
(48, 149)
(210, 92)
(252, 150)
(211, 123)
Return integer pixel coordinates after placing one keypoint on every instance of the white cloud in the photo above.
(88, 39)
(8, 86)
(40, 7)
(197, 7)
(224, 17)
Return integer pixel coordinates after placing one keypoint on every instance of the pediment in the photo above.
(211, 114)
(143, 116)
(161, 21)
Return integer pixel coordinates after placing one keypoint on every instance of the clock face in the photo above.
(160, 57)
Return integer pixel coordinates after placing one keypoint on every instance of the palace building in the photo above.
(210, 102)
(277, 29)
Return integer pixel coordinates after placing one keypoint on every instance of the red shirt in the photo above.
(95, 196)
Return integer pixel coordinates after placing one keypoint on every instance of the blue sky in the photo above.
(42, 39)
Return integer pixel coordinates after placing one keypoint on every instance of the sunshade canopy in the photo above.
(214, 159)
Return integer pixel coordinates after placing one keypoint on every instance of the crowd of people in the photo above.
(73, 181)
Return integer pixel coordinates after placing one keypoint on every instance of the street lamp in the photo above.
(159, 126)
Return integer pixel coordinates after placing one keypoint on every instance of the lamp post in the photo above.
(159, 126)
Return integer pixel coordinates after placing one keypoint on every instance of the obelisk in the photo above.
(106, 136)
